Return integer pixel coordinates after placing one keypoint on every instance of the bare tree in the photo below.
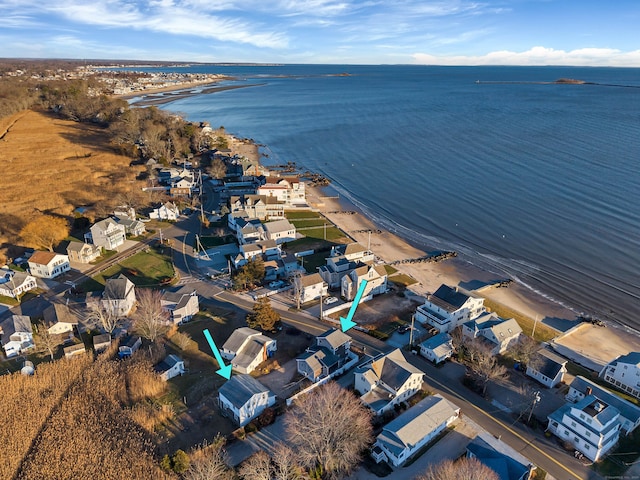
(256, 467)
(213, 464)
(285, 466)
(485, 364)
(328, 429)
(48, 341)
(217, 169)
(150, 320)
(525, 351)
(182, 340)
(463, 469)
(105, 317)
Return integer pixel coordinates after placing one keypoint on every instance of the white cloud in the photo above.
(596, 57)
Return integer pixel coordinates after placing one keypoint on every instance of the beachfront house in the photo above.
(500, 457)
(107, 234)
(547, 368)
(437, 348)
(243, 398)
(310, 287)
(16, 335)
(354, 252)
(82, 252)
(624, 373)
(499, 333)
(48, 264)
(181, 303)
(288, 190)
(13, 284)
(413, 429)
(119, 295)
(280, 231)
(256, 207)
(581, 387)
(247, 348)
(376, 277)
(342, 260)
(388, 381)
(326, 357)
(448, 308)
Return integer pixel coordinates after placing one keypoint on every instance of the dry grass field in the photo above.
(52, 166)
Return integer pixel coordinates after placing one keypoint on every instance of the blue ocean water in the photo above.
(539, 182)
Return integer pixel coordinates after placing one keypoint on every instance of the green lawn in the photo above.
(332, 233)
(309, 243)
(214, 241)
(9, 301)
(105, 255)
(402, 279)
(312, 262)
(390, 270)
(301, 215)
(144, 269)
(311, 223)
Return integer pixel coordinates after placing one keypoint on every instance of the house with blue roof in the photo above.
(437, 348)
(507, 463)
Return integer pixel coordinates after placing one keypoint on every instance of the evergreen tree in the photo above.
(263, 315)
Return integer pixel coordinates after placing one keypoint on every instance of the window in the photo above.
(573, 424)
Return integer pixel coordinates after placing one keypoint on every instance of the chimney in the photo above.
(589, 391)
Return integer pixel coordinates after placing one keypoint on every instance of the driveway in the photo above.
(265, 439)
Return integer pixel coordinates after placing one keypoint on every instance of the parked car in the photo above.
(330, 300)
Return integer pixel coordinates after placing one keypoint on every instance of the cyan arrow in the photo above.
(225, 370)
(347, 323)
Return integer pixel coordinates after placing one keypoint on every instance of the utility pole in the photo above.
(536, 400)
(533, 332)
(321, 302)
(413, 317)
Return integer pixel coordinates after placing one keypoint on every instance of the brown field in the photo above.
(53, 166)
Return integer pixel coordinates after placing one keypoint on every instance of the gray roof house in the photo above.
(328, 354)
(413, 429)
(170, 367)
(83, 252)
(500, 457)
(388, 381)
(107, 234)
(449, 307)
(101, 342)
(437, 348)
(16, 333)
(500, 333)
(119, 295)
(181, 303)
(280, 230)
(624, 373)
(547, 368)
(243, 398)
(247, 348)
(59, 319)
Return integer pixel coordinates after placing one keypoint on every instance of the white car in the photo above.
(330, 300)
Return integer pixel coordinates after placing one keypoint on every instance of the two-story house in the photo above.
(448, 307)
(388, 381)
(243, 398)
(342, 260)
(624, 373)
(326, 356)
(166, 211)
(82, 252)
(280, 231)
(310, 287)
(375, 275)
(13, 284)
(107, 234)
(501, 334)
(48, 264)
(247, 348)
(59, 319)
(16, 333)
(119, 295)
(181, 303)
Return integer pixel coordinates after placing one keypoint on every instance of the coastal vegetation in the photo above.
(542, 332)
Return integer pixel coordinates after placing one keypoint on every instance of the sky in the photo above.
(434, 32)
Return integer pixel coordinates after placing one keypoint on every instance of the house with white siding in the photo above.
(107, 233)
(500, 333)
(242, 398)
(547, 368)
(311, 287)
(506, 462)
(280, 231)
(437, 348)
(48, 264)
(16, 334)
(376, 277)
(59, 319)
(624, 373)
(13, 284)
(247, 348)
(448, 307)
(119, 295)
(170, 367)
(181, 303)
(167, 211)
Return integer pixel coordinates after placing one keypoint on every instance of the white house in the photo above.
(280, 231)
(107, 234)
(83, 252)
(328, 354)
(387, 382)
(311, 287)
(59, 319)
(342, 260)
(170, 367)
(247, 348)
(288, 190)
(48, 264)
(354, 252)
(547, 368)
(74, 350)
(119, 295)
(413, 429)
(448, 307)
(582, 387)
(13, 284)
(101, 342)
(624, 373)
(181, 303)
(131, 226)
(243, 398)
(247, 231)
(437, 348)
(167, 211)
(16, 333)
(129, 345)
(591, 425)
(500, 333)
(375, 275)
(500, 457)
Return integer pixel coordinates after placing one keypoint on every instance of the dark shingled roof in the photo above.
(448, 298)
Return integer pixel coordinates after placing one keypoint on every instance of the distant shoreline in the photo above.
(162, 98)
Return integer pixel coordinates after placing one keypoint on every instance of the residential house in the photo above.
(119, 295)
(267, 249)
(375, 275)
(547, 368)
(170, 367)
(101, 342)
(280, 231)
(167, 211)
(288, 190)
(624, 373)
(499, 333)
(437, 348)
(124, 211)
(256, 207)
(183, 184)
(247, 348)
(59, 319)
(505, 461)
(129, 345)
(591, 425)
(248, 231)
(582, 387)
(16, 333)
(181, 303)
(448, 307)
(83, 252)
(328, 354)
(354, 252)
(311, 287)
(107, 233)
(131, 226)
(335, 270)
(243, 398)
(48, 264)
(13, 284)
(413, 429)
(388, 381)
(74, 350)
